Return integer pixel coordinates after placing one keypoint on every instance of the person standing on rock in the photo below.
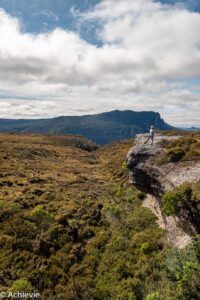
(151, 135)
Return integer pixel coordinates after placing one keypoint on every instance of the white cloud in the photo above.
(149, 51)
(47, 13)
(28, 109)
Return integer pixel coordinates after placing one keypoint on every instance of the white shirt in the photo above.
(151, 132)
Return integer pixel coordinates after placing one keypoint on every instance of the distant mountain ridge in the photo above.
(101, 128)
(191, 128)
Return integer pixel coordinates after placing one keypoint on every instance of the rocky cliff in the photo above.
(155, 179)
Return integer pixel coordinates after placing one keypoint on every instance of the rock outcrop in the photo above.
(155, 180)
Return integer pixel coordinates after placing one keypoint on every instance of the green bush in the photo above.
(175, 154)
(145, 247)
(42, 217)
(185, 148)
(40, 214)
(124, 166)
(8, 210)
(21, 285)
(112, 212)
(174, 201)
(153, 296)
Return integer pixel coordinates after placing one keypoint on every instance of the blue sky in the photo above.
(44, 15)
(69, 57)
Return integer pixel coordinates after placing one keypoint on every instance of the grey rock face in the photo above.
(143, 171)
(155, 180)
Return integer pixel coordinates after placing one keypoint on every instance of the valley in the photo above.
(73, 227)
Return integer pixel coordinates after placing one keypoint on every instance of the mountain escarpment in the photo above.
(167, 171)
(101, 128)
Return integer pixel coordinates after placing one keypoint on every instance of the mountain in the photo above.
(191, 128)
(101, 128)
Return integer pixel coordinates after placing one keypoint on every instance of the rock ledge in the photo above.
(156, 180)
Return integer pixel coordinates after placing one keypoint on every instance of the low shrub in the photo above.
(194, 153)
(183, 202)
(183, 149)
(174, 201)
(21, 285)
(153, 296)
(175, 154)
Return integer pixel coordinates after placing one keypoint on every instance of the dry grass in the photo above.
(186, 148)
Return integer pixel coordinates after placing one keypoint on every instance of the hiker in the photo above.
(151, 135)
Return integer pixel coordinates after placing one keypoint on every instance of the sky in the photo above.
(81, 57)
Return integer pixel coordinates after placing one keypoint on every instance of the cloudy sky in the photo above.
(75, 57)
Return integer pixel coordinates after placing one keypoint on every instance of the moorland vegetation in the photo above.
(72, 227)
